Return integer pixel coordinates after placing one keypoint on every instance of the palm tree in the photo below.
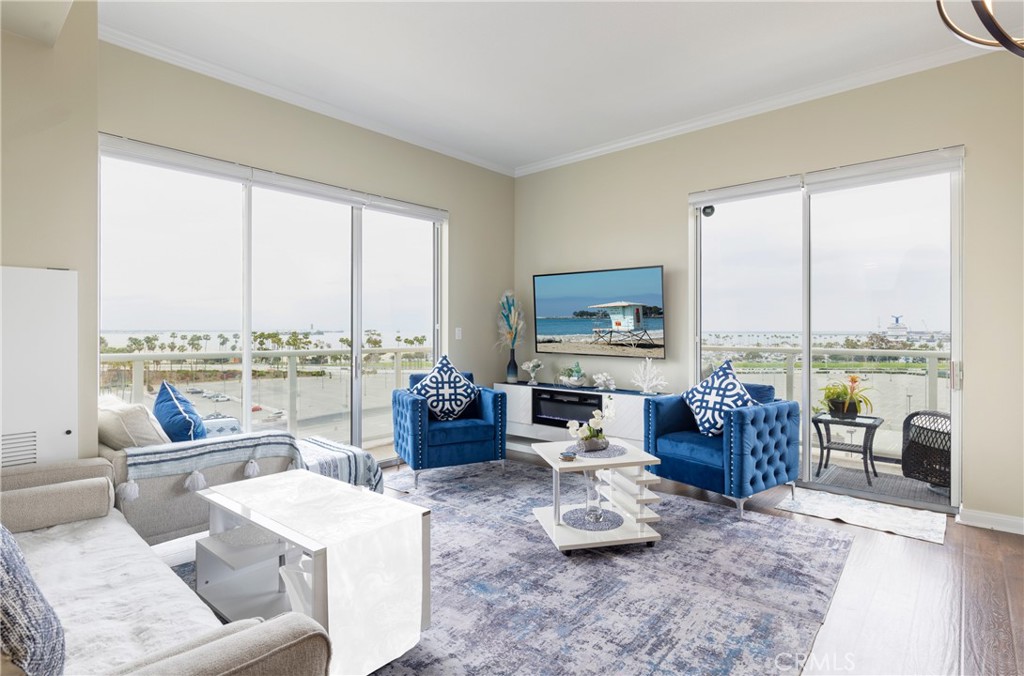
(206, 341)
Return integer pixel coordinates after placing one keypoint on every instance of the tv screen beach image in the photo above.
(616, 313)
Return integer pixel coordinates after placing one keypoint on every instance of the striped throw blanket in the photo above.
(323, 456)
(343, 462)
(185, 457)
(192, 457)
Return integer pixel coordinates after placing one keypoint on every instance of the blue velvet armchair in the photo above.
(758, 449)
(424, 442)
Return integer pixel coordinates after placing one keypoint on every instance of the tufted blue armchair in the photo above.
(758, 449)
(424, 442)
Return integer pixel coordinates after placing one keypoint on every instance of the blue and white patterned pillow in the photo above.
(446, 390)
(719, 392)
(30, 630)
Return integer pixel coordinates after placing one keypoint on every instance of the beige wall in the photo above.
(630, 208)
(49, 175)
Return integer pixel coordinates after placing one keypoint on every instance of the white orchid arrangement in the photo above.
(594, 428)
(510, 320)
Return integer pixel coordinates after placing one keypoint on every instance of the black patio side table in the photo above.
(826, 445)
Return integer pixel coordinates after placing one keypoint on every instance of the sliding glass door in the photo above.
(750, 289)
(301, 313)
(398, 324)
(881, 318)
(853, 272)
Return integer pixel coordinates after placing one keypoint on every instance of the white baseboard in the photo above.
(1002, 522)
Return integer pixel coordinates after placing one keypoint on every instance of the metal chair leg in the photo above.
(739, 503)
(792, 489)
(415, 479)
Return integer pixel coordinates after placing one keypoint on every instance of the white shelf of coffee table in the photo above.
(625, 486)
(237, 573)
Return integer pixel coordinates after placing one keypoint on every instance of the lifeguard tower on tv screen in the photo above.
(627, 324)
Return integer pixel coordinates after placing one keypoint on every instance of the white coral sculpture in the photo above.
(603, 381)
(648, 377)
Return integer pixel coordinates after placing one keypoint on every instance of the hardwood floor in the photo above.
(906, 606)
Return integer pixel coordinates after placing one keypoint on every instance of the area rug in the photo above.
(912, 523)
(717, 595)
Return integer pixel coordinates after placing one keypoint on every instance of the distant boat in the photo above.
(896, 330)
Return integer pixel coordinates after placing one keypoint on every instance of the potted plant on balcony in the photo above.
(845, 399)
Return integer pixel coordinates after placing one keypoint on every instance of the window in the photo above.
(259, 295)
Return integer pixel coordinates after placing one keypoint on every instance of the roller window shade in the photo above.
(745, 191)
(885, 171)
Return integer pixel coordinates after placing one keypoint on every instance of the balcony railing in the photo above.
(389, 362)
(790, 354)
(893, 400)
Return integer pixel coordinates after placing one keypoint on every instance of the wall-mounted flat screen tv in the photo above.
(611, 313)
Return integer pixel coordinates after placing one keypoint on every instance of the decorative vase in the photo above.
(512, 370)
(593, 511)
(533, 378)
(596, 444)
(835, 409)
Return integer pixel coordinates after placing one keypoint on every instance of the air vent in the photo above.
(18, 449)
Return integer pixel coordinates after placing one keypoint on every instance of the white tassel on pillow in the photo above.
(195, 481)
(252, 468)
(127, 491)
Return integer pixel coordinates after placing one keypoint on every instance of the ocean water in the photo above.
(573, 326)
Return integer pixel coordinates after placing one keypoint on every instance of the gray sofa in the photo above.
(121, 608)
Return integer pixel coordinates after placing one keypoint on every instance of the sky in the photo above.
(562, 294)
(876, 251)
(171, 258)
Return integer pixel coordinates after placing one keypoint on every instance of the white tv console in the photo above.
(628, 423)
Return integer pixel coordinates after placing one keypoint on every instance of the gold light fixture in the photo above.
(987, 15)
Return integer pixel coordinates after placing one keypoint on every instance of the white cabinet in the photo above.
(628, 423)
(40, 366)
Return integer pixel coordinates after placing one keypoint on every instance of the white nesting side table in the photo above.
(624, 483)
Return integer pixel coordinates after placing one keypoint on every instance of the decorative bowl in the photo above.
(594, 444)
(573, 382)
(567, 456)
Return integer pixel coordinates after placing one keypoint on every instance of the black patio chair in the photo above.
(926, 447)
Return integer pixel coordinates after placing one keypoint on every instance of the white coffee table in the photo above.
(624, 485)
(370, 561)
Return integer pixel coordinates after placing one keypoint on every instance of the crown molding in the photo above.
(233, 77)
(874, 76)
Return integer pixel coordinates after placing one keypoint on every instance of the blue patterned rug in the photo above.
(718, 595)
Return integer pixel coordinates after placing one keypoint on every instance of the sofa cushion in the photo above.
(692, 447)
(447, 391)
(762, 394)
(177, 415)
(117, 601)
(31, 631)
(123, 425)
(719, 392)
(441, 432)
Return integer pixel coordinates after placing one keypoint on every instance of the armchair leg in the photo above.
(415, 479)
(792, 489)
(739, 503)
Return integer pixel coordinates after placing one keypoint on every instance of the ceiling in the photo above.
(522, 87)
